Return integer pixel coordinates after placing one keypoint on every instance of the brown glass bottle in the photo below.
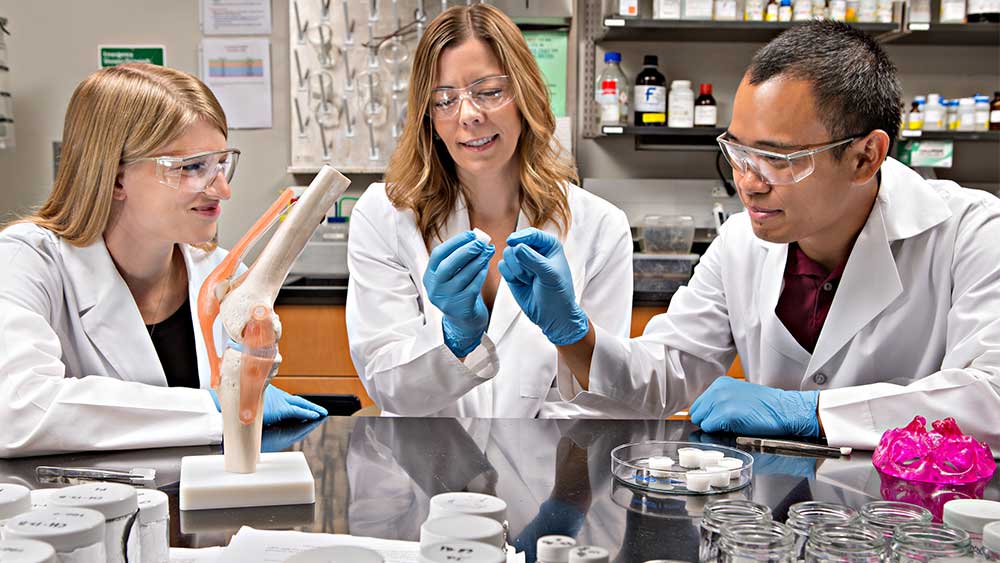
(995, 112)
(705, 111)
(650, 95)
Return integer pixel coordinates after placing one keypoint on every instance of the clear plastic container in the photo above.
(659, 466)
(885, 515)
(844, 543)
(662, 273)
(802, 516)
(26, 551)
(120, 507)
(14, 500)
(764, 542)
(154, 526)
(667, 234)
(922, 542)
(77, 534)
(721, 514)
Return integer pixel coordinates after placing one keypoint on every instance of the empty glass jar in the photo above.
(885, 515)
(923, 542)
(757, 542)
(720, 513)
(802, 516)
(844, 543)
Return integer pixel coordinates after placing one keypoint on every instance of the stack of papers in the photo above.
(267, 546)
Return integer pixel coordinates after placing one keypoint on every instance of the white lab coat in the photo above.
(914, 327)
(78, 370)
(395, 333)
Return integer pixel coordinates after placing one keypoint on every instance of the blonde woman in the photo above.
(433, 328)
(98, 346)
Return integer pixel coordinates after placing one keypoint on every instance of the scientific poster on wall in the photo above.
(239, 73)
(236, 17)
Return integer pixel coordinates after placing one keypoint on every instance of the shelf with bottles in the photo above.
(966, 34)
(622, 29)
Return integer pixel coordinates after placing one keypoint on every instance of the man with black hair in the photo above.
(857, 293)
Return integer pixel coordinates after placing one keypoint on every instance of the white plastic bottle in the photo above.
(802, 10)
(681, 104)
(966, 114)
(952, 11)
(612, 91)
(628, 8)
(785, 11)
(868, 11)
(667, 9)
(982, 112)
(934, 114)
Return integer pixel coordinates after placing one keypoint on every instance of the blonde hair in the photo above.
(116, 114)
(421, 175)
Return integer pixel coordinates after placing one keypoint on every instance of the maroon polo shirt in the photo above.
(806, 298)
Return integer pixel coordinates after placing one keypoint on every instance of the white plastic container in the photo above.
(991, 541)
(934, 114)
(76, 534)
(697, 10)
(971, 515)
(461, 552)
(154, 526)
(628, 8)
(554, 549)
(966, 115)
(920, 11)
(982, 112)
(681, 104)
(667, 9)
(588, 554)
(14, 500)
(726, 10)
(802, 10)
(26, 551)
(471, 504)
(40, 498)
(952, 11)
(464, 528)
(867, 11)
(119, 504)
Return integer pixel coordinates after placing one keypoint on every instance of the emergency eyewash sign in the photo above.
(114, 55)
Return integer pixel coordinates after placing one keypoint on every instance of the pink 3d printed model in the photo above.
(944, 455)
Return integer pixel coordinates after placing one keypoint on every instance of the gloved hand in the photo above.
(454, 283)
(279, 406)
(538, 275)
(281, 437)
(731, 405)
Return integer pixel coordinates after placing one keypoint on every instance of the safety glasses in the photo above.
(193, 173)
(486, 94)
(772, 167)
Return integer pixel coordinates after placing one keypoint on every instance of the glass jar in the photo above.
(77, 534)
(119, 505)
(922, 542)
(991, 541)
(721, 513)
(885, 515)
(154, 526)
(844, 543)
(26, 551)
(757, 542)
(802, 516)
(14, 499)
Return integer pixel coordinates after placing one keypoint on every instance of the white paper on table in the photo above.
(266, 546)
(203, 555)
(236, 17)
(239, 73)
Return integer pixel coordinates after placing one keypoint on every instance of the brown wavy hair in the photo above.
(117, 114)
(421, 175)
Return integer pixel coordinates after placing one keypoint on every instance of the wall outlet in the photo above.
(719, 191)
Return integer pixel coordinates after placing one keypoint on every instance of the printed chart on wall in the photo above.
(239, 73)
(236, 17)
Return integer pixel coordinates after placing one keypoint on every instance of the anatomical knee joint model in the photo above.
(246, 303)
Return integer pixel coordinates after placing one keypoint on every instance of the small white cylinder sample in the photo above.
(734, 464)
(26, 551)
(718, 475)
(473, 504)
(336, 554)
(40, 498)
(660, 462)
(461, 552)
(659, 480)
(481, 236)
(77, 534)
(689, 457)
(711, 457)
(554, 549)
(14, 500)
(468, 528)
(154, 526)
(588, 554)
(698, 480)
(120, 506)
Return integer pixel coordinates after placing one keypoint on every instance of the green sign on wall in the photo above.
(550, 48)
(114, 55)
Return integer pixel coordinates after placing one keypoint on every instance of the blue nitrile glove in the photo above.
(279, 406)
(454, 281)
(538, 275)
(281, 437)
(731, 405)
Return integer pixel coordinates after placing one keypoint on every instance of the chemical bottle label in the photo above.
(651, 98)
(705, 115)
(608, 93)
(654, 118)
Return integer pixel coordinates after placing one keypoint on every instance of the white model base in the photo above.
(282, 478)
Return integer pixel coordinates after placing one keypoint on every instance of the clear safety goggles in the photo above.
(193, 173)
(772, 167)
(486, 94)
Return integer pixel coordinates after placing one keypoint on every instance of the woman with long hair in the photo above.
(98, 346)
(433, 328)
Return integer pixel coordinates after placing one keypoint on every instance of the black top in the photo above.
(173, 339)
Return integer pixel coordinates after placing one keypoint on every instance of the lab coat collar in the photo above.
(909, 204)
(109, 314)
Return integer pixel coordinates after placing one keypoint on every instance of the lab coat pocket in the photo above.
(536, 371)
